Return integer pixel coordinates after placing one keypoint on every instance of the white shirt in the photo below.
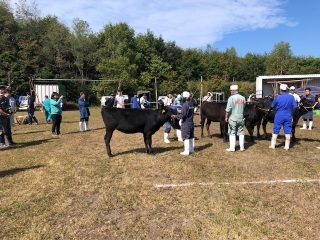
(168, 101)
(207, 98)
(296, 97)
(120, 101)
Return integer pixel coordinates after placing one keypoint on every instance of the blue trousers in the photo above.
(282, 120)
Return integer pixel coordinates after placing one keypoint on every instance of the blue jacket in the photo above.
(31, 102)
(84, 107)
(135, 102)
(55, 106)
(285, 104)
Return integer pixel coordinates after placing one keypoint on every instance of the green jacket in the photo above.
(235, 107)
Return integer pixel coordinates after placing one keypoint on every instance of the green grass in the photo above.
(67, 188)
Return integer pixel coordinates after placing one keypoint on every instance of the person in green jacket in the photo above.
(46, 108)
(56, 113)
(234, 118)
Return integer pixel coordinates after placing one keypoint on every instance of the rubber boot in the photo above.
(179, 135)
(304, 125)
(232, 140)
(310, 125)
(166, 138)
(273, 141)
(241, 142)
(186, 147)
(80, 127)
(191, 145)
(86, 126)
(287, 142)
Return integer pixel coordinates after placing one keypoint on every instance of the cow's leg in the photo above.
(148, 141)
(145, 142)
(202, 124)
(250, 129)
(224, 130)
(258, 127)
(293, 133)
(208, 127)
(107, 139)
(264, 126)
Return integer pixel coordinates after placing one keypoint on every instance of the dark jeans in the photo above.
(56, 121)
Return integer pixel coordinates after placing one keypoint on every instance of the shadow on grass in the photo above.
(31, 143)
(92, 129)
(13, 171)
(38, 131)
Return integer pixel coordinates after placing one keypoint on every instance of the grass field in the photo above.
(67, 187)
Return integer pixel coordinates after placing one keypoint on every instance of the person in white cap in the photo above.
(234, 118)
(285, 105)
(308, 115)
(296, 96)
(187, 127)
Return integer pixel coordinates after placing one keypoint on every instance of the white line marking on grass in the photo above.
(237, 183)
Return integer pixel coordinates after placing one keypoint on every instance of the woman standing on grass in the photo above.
(55, 108)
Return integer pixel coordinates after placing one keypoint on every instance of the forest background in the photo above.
(36, 46)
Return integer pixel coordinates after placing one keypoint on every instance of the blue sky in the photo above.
(253, 26)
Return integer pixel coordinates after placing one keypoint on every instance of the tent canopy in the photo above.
(314, 90)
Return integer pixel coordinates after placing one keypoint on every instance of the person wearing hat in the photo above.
(187, 125)
(84, 105)
(110, 101)
(251, 96)
(46, 108)
(308, 115)
(296, 96)
(284, 105)
(5, 114)
(119, 99)
(31, 108)
(135, 101)
(234, 118)
(207, 98)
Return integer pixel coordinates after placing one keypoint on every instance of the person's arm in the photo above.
(228, 109)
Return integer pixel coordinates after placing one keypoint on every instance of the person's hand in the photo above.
(61, 96)
(226, 119)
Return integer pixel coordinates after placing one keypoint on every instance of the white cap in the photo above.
(284, 87)
(292, 88)
(234, 87)
(185, 94)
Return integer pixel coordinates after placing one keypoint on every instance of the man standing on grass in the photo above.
(308, 115)
(284, 105)
(5, 114)
(234, 118)
(31, 109)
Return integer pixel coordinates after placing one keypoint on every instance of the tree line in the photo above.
(38, 46)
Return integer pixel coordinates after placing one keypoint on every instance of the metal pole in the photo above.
(156, 90)
(201, 94)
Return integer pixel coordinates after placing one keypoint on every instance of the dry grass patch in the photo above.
(67, 188)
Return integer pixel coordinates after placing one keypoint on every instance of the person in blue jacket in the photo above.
(187, 125)
(135, 101)
(31, 109)
(84, 112)
(56, 113)
(284, 104)
(46, 108)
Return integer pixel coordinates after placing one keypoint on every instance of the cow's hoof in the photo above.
(110, 155)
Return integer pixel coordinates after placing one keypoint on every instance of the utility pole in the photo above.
(156, 90)
(201, 94)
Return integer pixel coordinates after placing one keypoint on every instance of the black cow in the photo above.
(214, 112)
(263, 107)
(145, 121)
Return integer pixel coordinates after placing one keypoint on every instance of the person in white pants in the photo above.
(84, 112)
(234, 118)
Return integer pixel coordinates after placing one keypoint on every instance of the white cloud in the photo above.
(189, 23)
